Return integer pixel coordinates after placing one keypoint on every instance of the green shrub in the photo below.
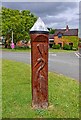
(56, 46)
(73, 39)
(22, 47)
(67, 47)
(74, 48)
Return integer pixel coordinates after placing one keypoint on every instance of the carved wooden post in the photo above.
(39, 62)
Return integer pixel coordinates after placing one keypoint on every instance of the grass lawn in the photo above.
(60, 50)
(16, 50)
(16, 94)
(28, 50)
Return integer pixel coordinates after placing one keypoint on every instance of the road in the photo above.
(63, 63)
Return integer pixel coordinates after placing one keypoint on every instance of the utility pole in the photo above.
(12, 36)
(12, 44)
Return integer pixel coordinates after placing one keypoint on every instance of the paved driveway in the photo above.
(63, 63)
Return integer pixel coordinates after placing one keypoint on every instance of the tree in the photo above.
(51, 31)
(20, 22)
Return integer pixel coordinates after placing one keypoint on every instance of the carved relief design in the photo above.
(40, 75)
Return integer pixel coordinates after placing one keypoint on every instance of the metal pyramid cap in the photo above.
(39, 26)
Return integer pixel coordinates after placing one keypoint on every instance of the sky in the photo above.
(54, 14)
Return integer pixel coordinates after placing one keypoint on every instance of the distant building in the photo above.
(51, 40)
(2, 40)
(23, 43)
(58, 36)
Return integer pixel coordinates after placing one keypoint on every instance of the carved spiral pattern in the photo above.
(40, 72)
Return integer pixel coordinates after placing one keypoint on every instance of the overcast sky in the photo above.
(54, 14)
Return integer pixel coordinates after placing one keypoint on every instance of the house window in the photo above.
(59, 35)
(71, 44)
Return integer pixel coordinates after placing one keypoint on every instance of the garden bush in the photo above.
(56, 46)
(74, 48)
(67, 47)
(22, 47)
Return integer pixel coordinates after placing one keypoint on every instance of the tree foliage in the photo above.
(17, 21)
(51, 31)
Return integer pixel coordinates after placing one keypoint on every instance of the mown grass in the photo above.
(16, 94)
(60, 50)
(29, 50)
(16, 50)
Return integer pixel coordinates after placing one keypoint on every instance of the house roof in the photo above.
(67, 31)
(64, 32)
(70, 32)
(57, 31)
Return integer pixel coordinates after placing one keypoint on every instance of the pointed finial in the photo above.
(39, 26)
